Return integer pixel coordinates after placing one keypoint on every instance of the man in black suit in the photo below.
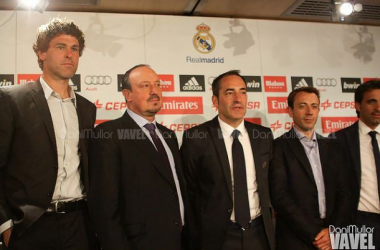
(359, 142)
(226, 167)
(305, 182)
(43, 150)
(136, 175)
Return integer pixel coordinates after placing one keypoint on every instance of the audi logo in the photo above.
(98, 80)
(326, 82)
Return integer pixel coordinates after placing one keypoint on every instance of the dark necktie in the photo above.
(376, 154)
(157, 142)
(241, 203)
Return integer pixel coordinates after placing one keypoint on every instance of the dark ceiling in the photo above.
(299, 10)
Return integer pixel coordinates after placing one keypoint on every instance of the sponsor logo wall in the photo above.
(194, 51)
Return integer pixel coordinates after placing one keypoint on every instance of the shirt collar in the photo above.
(141, 121)
(364, 129)
(49, 91)
(301, 136)
(227, 129)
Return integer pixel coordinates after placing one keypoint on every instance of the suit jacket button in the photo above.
(49, 195)
(55, 167)
(229, 210)
(176, 222)
(174, 194)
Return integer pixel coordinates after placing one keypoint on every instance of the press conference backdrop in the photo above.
(189, 52)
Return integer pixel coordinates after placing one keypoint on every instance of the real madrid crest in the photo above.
(203, 41)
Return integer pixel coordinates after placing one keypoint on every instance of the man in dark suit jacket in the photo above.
(136, 177)
(43, 150)
(231, 207)
(360, 164)
(306, 187)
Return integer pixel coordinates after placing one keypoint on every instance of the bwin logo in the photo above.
(5, 83)
(192, 84)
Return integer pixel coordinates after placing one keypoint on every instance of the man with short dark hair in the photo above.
(137, 184)
(226, 167)
(360, 142)
(43, 150)
(305, 182)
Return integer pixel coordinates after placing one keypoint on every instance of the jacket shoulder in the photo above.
(84, 101)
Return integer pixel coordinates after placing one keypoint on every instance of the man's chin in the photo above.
(153, 111)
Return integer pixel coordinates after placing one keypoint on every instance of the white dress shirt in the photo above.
(63, 112)
(253, 195)
(369, 195)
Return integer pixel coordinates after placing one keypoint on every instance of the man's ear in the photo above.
(357, 106)
(290, 112)
(127, 94)
(215, 101)
(41, 55)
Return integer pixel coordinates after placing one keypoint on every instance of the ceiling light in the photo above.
(346, 9)
(38, 5)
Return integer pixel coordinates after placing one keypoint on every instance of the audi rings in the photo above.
(326, 82)
(98, 80)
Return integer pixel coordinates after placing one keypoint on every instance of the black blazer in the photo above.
(348, 139)
(208, 175)
(134, 201)
(28, 152)
(294, 192)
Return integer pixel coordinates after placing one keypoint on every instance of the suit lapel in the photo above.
(323, 148)
(255, 145)
(147, 148)
(353, 141)
(43, 108)
(82, 147)
(296, 146)
(217, 137)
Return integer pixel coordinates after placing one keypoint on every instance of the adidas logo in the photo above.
(192, 84)
(301, 84)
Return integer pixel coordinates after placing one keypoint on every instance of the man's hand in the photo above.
(322, 240)
(7, 236)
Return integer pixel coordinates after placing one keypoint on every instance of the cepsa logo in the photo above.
(332, 124)
(24, 78)
(275, 84)
(181, 105)
(337, 105)
(179, 127)
(278, 125)
(277, 105)
(111, 105)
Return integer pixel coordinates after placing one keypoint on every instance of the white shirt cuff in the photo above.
(6, 225)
